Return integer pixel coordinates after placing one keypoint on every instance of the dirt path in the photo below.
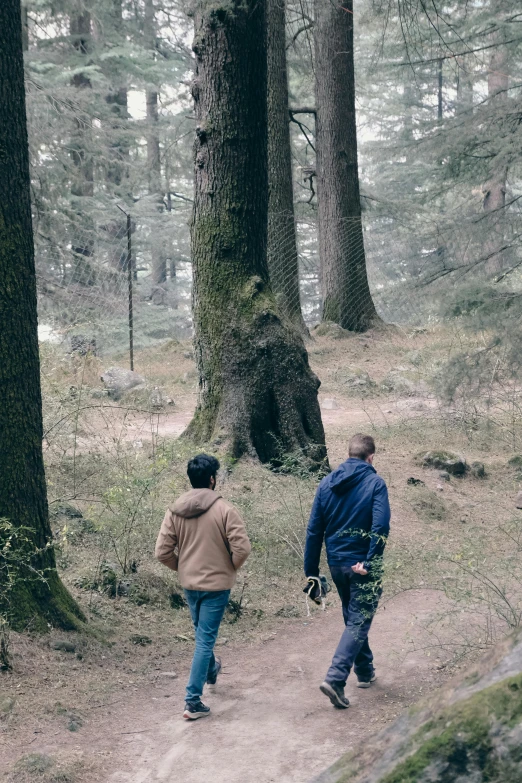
(269, 721)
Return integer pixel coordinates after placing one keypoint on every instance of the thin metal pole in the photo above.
(129, 278)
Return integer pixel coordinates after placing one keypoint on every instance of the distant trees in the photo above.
(282, 240)
(23, 500)
(258, 395)
(346, 294)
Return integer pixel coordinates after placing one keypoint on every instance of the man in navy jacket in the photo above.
(351, 514)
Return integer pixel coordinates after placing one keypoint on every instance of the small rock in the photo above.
(415, 482)
(440, 487)
(518, 502)
(445, 460)
(463, 520)
(357, 381)
(99, 394)
(168, 675)
(141, 639)
(444, 475)
(330, 404)
(6, 705)
(477, 469)
(288, 611)
(118, 381)
(63, 644)
(66, 510)
(330, 329)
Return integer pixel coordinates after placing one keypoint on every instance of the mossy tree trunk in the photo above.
(282, 241)
(346, 294)
(23, 499)
(258, 395)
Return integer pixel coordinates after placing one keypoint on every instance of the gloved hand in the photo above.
(316, 588)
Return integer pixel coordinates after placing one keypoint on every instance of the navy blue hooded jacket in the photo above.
(351, 513)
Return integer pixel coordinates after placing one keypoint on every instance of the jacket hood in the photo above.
(194, 503)
(348, 475)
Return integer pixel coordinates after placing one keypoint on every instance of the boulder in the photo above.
(468, 732)
(118, 381)
(330, 329)
(446, 461)
(329, 404)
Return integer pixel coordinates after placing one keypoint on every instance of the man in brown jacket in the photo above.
(204, 539)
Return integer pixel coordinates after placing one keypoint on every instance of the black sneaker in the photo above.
(212, 678)
(195, 711)
(335, 693)
(366, 682)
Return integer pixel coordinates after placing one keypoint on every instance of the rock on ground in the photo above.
(467, 732)
(445, 461)
(118, 381)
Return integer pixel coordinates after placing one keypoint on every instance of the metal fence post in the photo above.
(129, 280)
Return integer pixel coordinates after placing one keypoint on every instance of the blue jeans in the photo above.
(206, 608)
(359, 596)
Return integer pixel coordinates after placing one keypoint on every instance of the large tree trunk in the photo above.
(346, 294)
(258, 395)
(23, 500)
(82, 187)
(159, 261)
(494, 189)
(283, 262)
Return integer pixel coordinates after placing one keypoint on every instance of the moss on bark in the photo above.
(23, 498)
(258, 395)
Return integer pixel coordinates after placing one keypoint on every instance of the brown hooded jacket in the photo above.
(203, 538)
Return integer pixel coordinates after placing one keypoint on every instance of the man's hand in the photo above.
(359, 568)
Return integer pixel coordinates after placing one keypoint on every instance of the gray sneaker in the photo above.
(366, 683)
(335, 693)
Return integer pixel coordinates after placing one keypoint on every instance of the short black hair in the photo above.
(201, 469)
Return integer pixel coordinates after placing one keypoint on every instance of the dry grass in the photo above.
(121, 490)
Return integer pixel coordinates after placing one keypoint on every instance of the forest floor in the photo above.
(109, 710)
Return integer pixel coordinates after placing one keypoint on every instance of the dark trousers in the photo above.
(359, 596)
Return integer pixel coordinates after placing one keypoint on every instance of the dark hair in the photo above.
(201, 469)
(361, 446)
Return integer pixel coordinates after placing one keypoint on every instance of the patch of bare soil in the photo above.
(269, 720)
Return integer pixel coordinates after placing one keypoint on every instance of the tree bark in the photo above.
(117, 99)
(23, 498)
(283, 260)
(494, 189)
(346, 294)
(83, 178)
(258, 395)
(464, 90)
(159, 261)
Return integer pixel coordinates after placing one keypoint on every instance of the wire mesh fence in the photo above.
(85, 287)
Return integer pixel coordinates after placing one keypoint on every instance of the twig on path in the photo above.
(139, 732)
